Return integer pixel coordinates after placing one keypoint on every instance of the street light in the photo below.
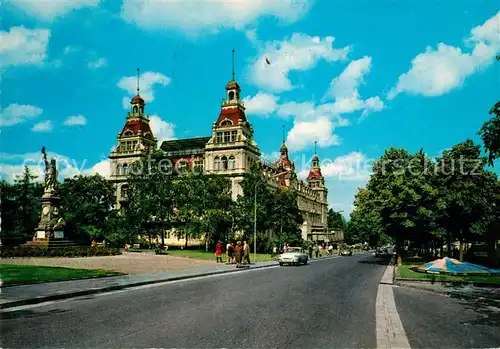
(255, 216)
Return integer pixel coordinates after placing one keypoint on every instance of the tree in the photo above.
(285, 217)
(20, 208)
(86, 203)
(336, 221)
(467, 191)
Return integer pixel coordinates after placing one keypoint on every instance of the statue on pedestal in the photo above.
(51, 225)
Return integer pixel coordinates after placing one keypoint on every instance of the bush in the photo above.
(25, 251)
(135, 250)
(160, 251)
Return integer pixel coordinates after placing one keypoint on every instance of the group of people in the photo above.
(236, 252)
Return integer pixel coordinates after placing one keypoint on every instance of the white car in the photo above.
(293, 255)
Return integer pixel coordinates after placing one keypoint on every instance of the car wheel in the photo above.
(281, 264)
(305, 262)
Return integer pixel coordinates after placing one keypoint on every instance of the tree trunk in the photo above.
(448, 243)
(162, 238)
(461, 258)
(186, 242)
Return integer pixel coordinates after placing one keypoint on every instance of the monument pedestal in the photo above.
(50, 230)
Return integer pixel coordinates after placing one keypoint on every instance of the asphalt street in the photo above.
(325, 304)
(436, 321)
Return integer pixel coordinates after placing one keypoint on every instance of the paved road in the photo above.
(435, 321)
(328, 303)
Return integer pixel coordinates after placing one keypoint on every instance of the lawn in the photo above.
(202, 254)
(406, 272)
(29, 274)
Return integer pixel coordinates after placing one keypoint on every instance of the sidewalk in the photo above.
(37, 293)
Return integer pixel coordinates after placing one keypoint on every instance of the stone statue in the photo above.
(50, 173)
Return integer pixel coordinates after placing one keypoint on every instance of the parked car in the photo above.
(293, 255)
(381, 252)
(346, 252)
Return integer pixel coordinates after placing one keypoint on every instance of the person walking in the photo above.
(238, 252)
(310, 251)
(316, 250)
(246, 253)
(218, 252)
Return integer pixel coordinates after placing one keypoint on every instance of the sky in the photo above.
(356, 77)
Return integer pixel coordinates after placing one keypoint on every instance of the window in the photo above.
(124, 191)
(128, 133)
(231, 95)
(227, 137)
(198, 163)
(224, 163)
(217, 164)
(226, 123)
(134, 109)
(234, 135)
(118, 169)
(219, 137)
(232, 163)
(125, 170)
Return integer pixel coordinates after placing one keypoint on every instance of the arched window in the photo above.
(118, 169)
(128, 133)
(134, 109)
(217, 164)
(231, 95)
(224, 163)
(142, 110)
(124, 191)
(125, 170)
(226, 123)
(232, 163)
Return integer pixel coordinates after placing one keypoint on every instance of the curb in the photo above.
(42, 299)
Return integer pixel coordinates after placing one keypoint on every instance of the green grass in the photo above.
(30, 274)
(406, 272)
(202, 254)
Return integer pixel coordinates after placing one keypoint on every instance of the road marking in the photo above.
(132, 288)
(390, 330)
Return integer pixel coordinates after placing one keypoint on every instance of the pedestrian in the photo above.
(310, 250)
(218, 252)
(275, 252)
(330, 250)
(246, 253)
(238, 249)
(316, 250)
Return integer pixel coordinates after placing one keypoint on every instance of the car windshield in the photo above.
(293, 249)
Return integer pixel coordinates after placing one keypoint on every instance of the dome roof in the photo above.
(137, 100)
(283, 148)
(232, 85)
(315, 158)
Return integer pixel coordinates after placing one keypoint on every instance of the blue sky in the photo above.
(355, 76)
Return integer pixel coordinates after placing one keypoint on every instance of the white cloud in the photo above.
(344, 89)
(17, 113)
(353, 166)
(207, 16)
(44, 126)
(75, 120)
(146, 82)
(272, 156)
(438, 71)
(12, 166)
(21, 46)
(97, 63)
(306, 132)
(49, 10)
(261, 104)
(162, 130)
(301, 52)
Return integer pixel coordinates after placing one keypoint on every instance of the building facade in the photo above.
(229, 151)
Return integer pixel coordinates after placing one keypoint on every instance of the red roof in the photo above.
(283, 160)
(234, 114)
(315, 173)
(135, 125)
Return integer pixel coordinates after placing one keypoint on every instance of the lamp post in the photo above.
(255, 216)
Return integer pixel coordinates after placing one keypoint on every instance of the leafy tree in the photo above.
(21, 207)
(86, 203)
(490, 134)
(285, 217)
(365, 224)
(336, 220)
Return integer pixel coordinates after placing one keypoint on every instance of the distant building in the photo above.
(229, 151)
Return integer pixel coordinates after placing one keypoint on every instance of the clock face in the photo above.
(45, 211)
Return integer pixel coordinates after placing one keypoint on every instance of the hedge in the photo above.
(25, 251)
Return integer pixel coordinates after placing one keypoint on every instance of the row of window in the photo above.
(226, 137)
(225, 163)
(125, 169)
(126, 146)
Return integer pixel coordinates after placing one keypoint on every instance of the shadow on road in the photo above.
(376, 260)
(29, 314)
(485, 303)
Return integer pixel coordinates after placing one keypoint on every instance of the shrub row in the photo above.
(25, 251)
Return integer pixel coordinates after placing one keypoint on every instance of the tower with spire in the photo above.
(134, 142)
(315, 178)
(284, 164)
(231, 150)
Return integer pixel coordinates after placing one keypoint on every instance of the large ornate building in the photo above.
(230, 151)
